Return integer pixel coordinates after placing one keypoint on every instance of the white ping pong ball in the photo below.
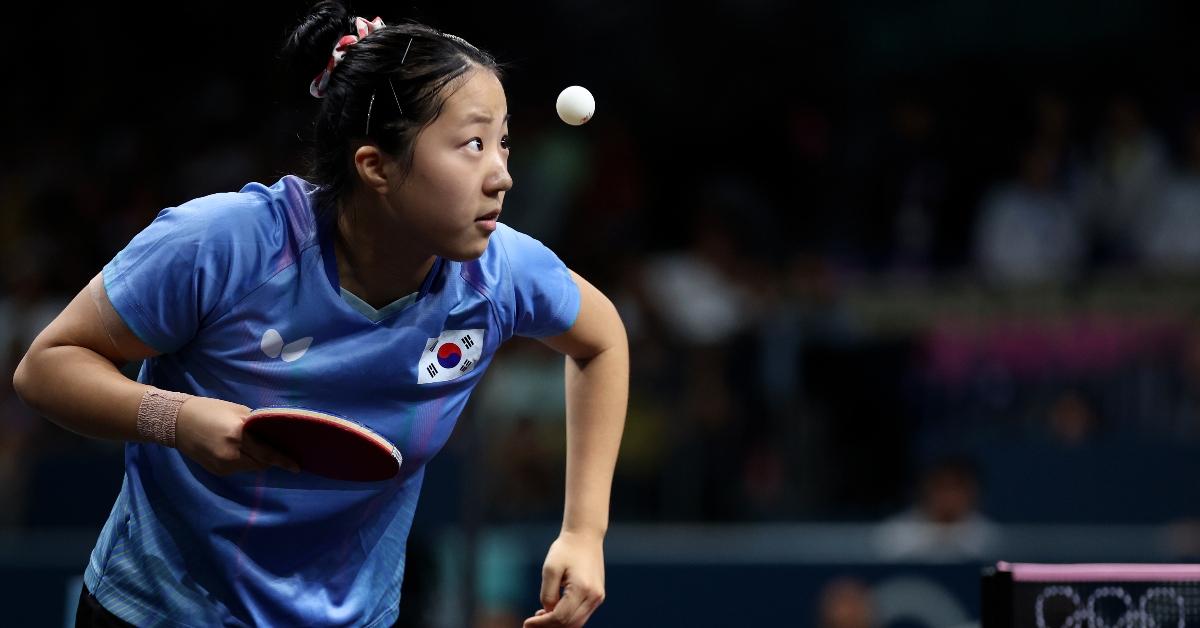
(575, 105)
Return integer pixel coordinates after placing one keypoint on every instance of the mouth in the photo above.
(487, 222)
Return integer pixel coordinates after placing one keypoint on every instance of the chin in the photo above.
(469, 252)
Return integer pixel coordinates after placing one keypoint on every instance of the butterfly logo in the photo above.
(273, 345)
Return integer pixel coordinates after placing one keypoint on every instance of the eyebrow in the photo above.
(476, 117)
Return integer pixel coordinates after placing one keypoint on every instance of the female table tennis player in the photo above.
(377, 287)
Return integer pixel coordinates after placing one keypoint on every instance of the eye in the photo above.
(504, 142)
(476, 143)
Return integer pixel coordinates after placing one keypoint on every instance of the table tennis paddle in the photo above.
(326, 444)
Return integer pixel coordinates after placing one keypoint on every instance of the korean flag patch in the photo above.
(450, 356)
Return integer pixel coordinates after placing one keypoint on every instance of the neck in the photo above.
(374, 260)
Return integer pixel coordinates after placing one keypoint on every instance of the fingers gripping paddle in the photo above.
(326, 444)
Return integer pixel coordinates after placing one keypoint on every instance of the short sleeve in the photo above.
(178, 272)
(546, 299)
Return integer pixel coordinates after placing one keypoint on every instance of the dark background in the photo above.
(785, 200)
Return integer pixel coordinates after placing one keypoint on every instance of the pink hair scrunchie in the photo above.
(363, 28)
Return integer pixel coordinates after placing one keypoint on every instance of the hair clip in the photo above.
(371, 103)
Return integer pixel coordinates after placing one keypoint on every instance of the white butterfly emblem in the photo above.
(273, 346)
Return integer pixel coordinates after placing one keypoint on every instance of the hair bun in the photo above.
(307, 47)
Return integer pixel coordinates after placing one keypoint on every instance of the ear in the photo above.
(372, 168)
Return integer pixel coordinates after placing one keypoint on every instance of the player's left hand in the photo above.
(572, 582)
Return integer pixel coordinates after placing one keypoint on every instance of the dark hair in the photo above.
(402, 98)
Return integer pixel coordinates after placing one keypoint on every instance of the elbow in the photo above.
(618, 336)
(614, 339)
(22, 381)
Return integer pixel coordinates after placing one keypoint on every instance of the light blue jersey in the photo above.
(240, 293)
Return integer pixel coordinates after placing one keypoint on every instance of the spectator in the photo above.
(1027, 231)
(1170, 243)
(945, 523)
(1128, 173)
(846, 602)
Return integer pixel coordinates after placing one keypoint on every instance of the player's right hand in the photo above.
(210, 432)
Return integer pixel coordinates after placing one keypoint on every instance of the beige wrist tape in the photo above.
(157, 415)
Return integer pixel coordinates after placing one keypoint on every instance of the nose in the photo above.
(498, 179)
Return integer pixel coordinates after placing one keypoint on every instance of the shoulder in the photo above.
(276, 216)
(286, 203)
(509, 260)
(512, 247)
(510, 256)
(504, 244)
(258, 229)
(528, 284)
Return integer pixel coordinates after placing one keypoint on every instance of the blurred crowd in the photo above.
(779, 369)
(766, 261)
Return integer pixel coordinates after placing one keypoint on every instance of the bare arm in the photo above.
(71, 372)
(597, 382)
(71, 376)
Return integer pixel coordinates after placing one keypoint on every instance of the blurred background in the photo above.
(911, 287)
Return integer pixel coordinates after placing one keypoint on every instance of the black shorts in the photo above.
(90, 614)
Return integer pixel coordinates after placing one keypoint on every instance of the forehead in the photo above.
(478, 92)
